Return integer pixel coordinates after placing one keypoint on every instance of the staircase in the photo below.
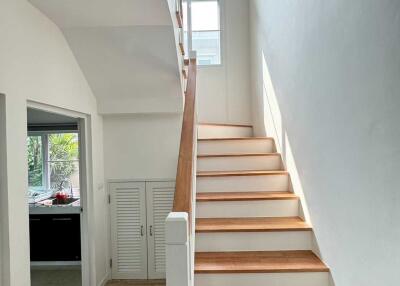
(248, 225)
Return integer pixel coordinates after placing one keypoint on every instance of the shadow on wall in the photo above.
(274, 127)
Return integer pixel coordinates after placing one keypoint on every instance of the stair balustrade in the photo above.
(179, 226)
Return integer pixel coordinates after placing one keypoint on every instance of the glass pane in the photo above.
(186, 42)
(185, 16)
(205, 15)
(207, 45)
(63, 147)
(35, 161)
(64, 176)
(63, 164)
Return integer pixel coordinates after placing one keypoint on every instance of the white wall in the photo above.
(36, 64)
(326, 86)
(141, 146)
(224, 91)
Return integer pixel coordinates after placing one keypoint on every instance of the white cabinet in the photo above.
(160, 196)
(128, 230)
(138, 213)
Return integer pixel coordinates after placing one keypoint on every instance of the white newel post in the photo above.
(178, 269)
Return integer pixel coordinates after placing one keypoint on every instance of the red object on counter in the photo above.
(61, 196)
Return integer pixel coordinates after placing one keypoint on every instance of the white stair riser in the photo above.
(253, 241)
(266, 208)
(277, 183)
(215, 131)
(263, 279)
(235, 147)
(267, 163)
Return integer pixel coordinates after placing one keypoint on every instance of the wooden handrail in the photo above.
(185, 173)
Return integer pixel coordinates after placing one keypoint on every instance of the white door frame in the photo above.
(3, 178)
(86, 186)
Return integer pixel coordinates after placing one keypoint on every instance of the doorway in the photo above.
(57, 187)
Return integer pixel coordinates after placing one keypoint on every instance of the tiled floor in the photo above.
(136, 283)
(56, 278)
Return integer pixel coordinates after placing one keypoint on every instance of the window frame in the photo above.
(45, 154)
(221, 8)
(42, 138)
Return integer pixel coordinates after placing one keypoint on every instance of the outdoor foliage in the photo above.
(63, 154)
(35, 165)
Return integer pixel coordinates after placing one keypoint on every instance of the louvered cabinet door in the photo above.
(128, 230)
(160, 196)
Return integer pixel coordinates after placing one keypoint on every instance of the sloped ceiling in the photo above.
(95, 13)
(36, 116)
(125, 48)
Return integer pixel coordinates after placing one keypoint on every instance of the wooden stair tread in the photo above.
(244, 196)
(258, 262)
(252, 224)
(239, 173)
(234, 138)
(238, 155)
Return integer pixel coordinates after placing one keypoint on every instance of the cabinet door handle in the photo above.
(141, 230)
(62, 219)
(151, 230)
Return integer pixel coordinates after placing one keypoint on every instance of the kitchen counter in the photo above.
(39, 208)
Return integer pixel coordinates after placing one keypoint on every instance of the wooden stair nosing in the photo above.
(252, 224)
(234, 139)
(225, 124)
(244, 196)
(179, 19)
(258, 262)
(182, 49)
(239, 173)
(270, 154)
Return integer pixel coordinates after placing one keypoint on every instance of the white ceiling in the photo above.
(127, 61)
(125, 48)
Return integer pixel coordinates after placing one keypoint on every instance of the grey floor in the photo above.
(56, 278)
(136, 283)
(73, 278)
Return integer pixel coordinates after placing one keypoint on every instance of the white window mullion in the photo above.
(189, 24)
(46, 167)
